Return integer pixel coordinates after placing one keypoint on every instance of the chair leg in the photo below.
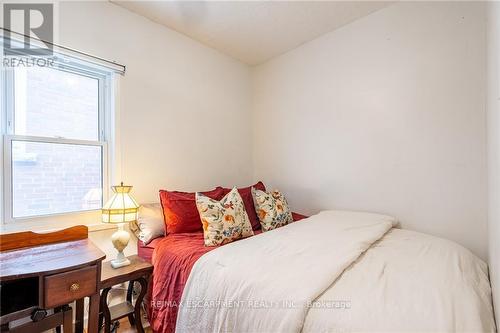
(68, 320)
(58, 309)
(79, 314)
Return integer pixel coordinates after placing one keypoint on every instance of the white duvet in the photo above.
(338, 272)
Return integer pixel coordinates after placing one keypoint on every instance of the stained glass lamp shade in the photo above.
(120, 209)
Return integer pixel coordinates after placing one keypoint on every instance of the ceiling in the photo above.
(252, 31)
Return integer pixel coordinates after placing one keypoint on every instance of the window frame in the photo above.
(105, 106)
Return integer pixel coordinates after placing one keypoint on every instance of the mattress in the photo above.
(146, 251)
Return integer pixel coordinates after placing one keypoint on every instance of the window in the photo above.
(55, 147)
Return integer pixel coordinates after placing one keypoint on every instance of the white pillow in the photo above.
(150, 222)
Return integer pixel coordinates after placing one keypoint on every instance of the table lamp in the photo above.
(120, 209)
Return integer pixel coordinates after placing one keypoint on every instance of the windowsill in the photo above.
(101, 226)
(43, 229)
(53, 223)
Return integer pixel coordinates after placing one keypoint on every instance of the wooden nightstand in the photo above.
(139, 271)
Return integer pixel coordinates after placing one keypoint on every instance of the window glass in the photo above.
(55, 103)
(51, 178)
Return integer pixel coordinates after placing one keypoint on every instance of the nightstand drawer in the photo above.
(66, 287)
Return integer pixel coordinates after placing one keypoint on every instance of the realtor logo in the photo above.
(32, 20)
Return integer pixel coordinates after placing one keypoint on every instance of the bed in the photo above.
(175, 256)
(332, 272)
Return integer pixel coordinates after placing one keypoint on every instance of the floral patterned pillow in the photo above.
(223, 221)
(272, 209)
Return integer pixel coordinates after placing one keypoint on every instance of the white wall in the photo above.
(386, 114)
(493, 114)
(183, 116)
(184, 108)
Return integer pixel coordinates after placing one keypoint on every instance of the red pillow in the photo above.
(180, 212)
(246, 195)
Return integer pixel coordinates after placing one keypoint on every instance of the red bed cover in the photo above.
(173, 258)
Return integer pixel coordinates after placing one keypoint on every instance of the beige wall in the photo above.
(386, 114)
(184, 108)
(493, 107)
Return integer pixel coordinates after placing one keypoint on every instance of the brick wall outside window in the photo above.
(55, 178)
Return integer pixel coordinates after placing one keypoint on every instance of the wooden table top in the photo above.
(112, 276)
(48, 259)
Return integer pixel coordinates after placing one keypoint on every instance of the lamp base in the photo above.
(120, 260)
(120, 240)
(116, 263)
